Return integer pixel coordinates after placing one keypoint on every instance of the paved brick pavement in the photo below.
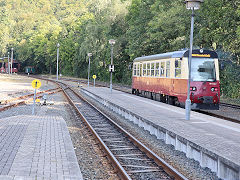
(36, 148)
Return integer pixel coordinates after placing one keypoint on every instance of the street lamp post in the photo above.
(192, 5)
(111, 68)
(11, 60)
(58, 45)
(89, 55)
(8, 64)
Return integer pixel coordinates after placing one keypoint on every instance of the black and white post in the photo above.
(193, 5)
(111, 42)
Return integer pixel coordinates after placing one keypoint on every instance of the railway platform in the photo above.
(214, 142)
(36, 148)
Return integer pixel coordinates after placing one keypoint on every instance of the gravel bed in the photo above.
(188, 167)
(92, 161)
(103, 127)
(235, 101)
(227, 112)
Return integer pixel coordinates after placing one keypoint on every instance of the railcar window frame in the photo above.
(141, 68)
(157, 69)
(162, 69)
(152, 69)
(144, 69)
(168, 69)
(134, 69)
(149, 69)
(138, 69)
(178, 69)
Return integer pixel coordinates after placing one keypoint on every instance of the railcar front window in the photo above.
(15, 65)
(203, 69)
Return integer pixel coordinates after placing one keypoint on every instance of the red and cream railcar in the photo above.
(4, 66)
(166, 75)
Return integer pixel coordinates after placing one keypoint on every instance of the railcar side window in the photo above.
(152, 69)
(144, 69)
(157, 69)
(162, 69)
(138, 69)
(134, 70)
(168, 69)
(148, 69)
(178, 68)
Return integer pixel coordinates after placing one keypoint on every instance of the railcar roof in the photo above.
(175, 54)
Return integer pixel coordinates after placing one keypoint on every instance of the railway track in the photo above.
(230, 105)
(128, 90)
(4, 105)
(220, 116)
(130, 158)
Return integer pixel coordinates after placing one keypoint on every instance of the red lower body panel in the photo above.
(205, 93)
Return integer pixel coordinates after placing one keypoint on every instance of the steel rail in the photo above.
(234, 106)
(200, 111)
(121, 172)
(219, 116)
(159, 161)
(25, 101)
(25, 96)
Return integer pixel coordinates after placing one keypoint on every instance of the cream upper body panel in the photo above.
(175, 65)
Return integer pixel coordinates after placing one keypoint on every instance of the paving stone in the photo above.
(35, 147)
(6, 177)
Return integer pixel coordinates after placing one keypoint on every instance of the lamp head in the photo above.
(89, 54)
(193, 4)
(12, 49)
(112, 41)
(58, 45)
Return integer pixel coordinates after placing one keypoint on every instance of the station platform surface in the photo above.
(36, 148)
(219, 137)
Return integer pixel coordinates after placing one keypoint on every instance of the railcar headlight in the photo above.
(214, 89)
(193, 88)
